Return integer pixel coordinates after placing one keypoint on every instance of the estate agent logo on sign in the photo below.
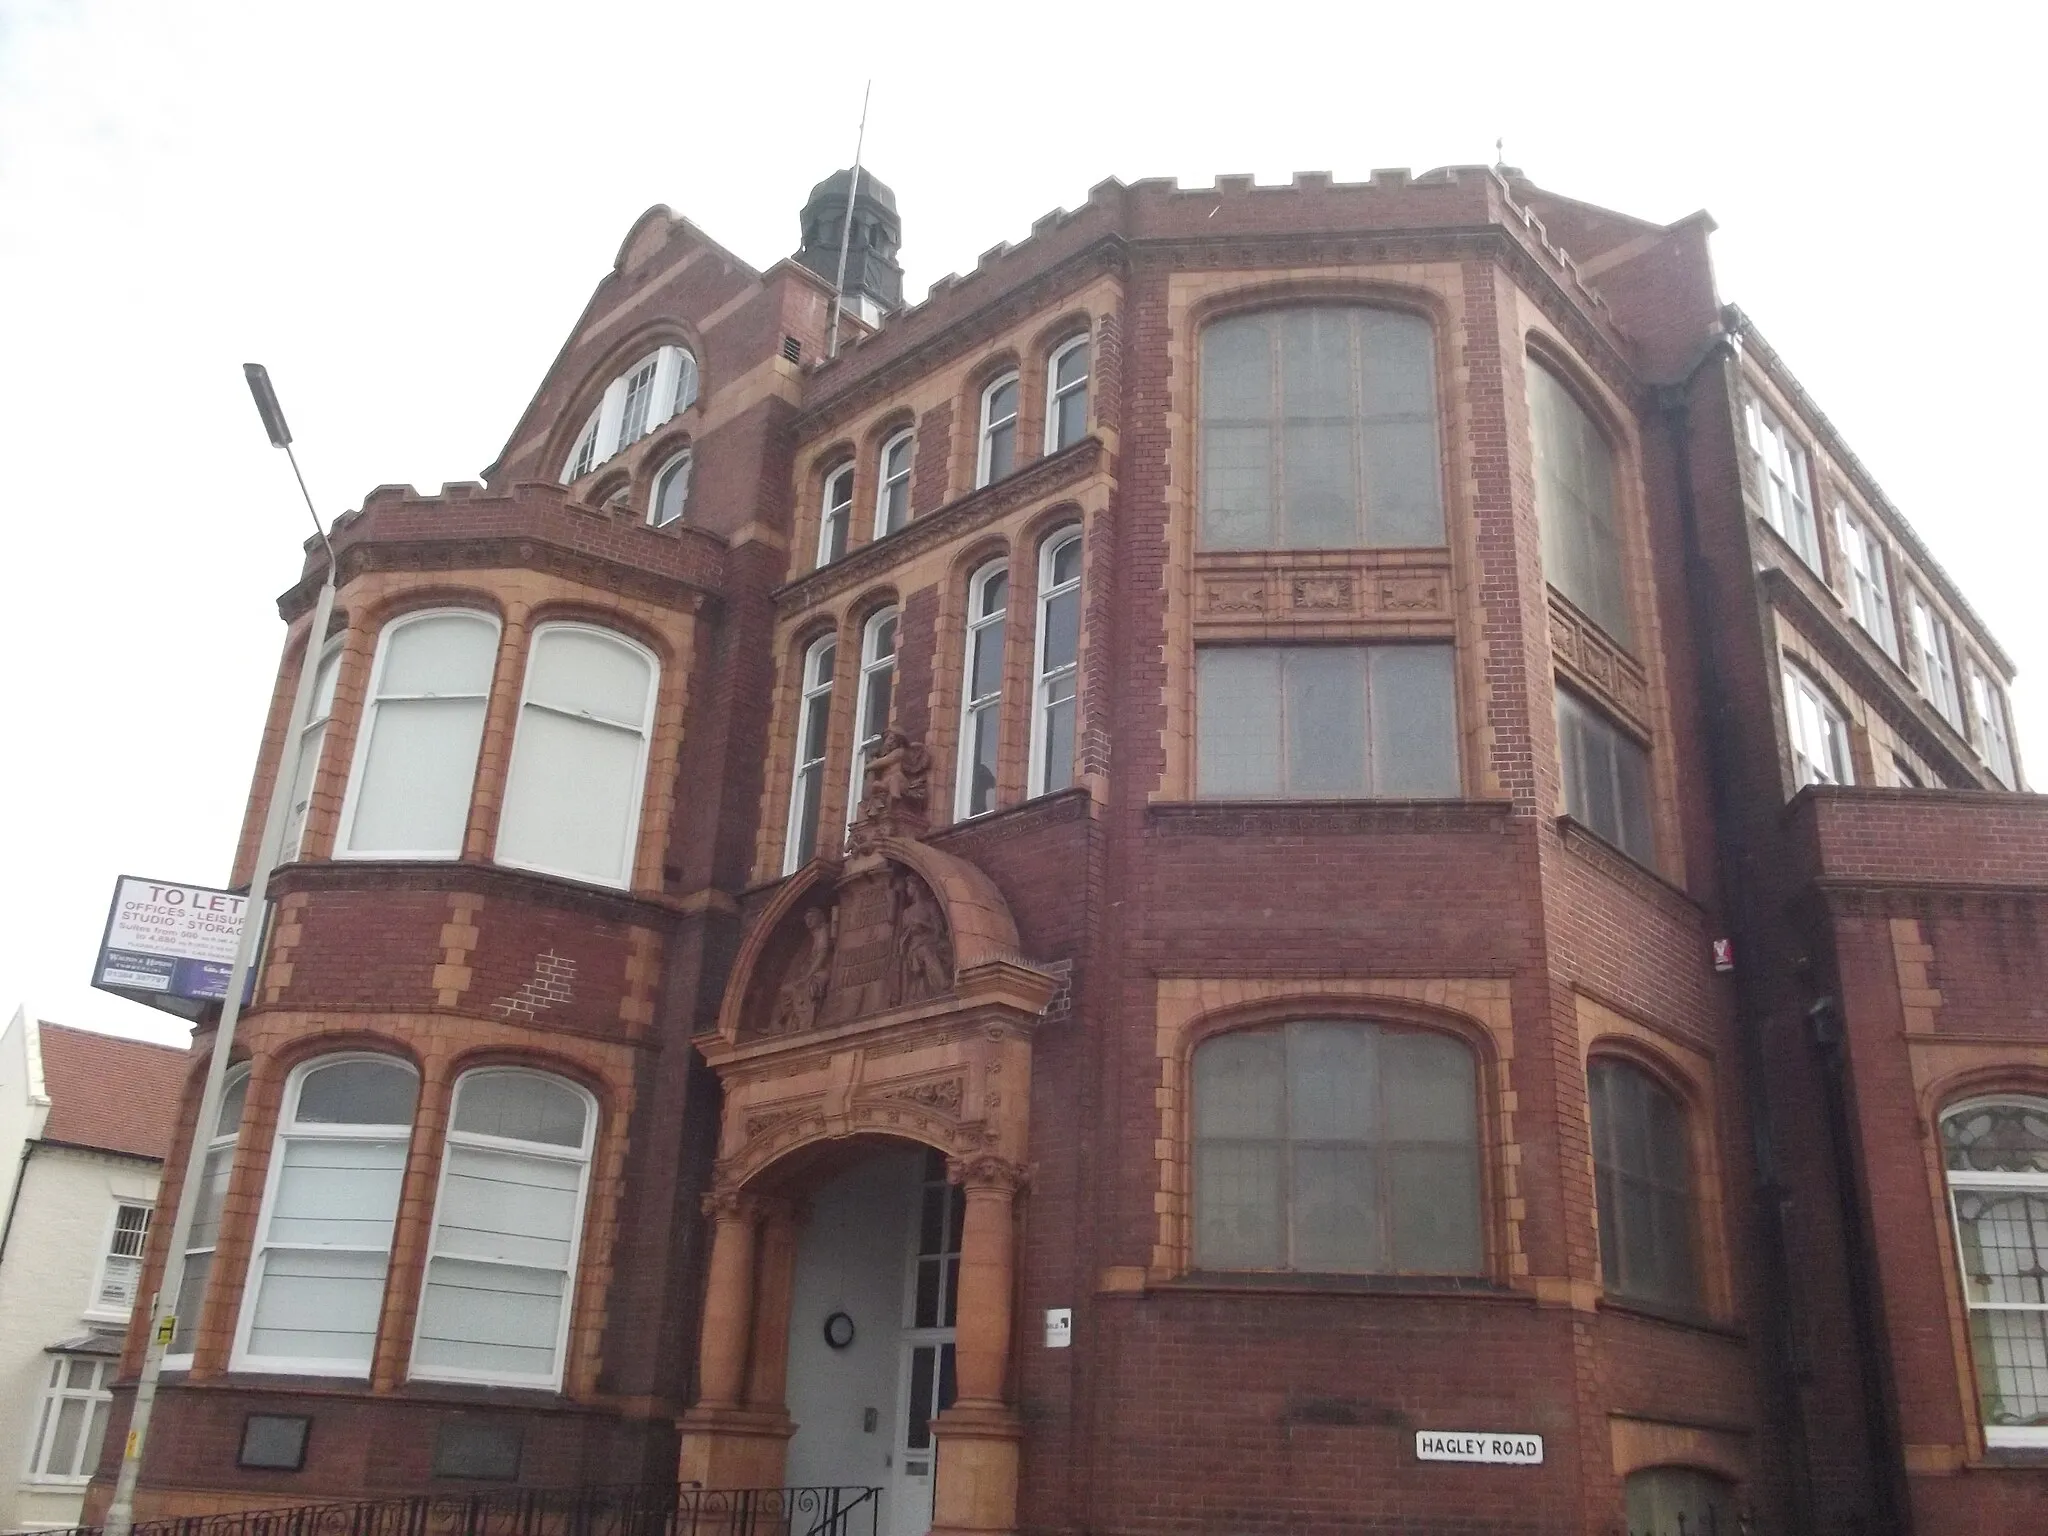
(1506, 1450)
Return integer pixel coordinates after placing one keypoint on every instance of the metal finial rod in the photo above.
(846, 228)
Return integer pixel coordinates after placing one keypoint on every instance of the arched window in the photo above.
(1680, 1501)
(416, 752)
(671, 491)
(1066, 395)
(836, 515)
(316, 1281)
(892, 498)
(872, 700)
(1319, 430)
(1643, 1181)
(501, 1271)
(306, 762)
(1582, 553)
(981, 689)
(579, 758)
(204, 1235)
(1337, 1148)
(998, 440)
(655, 388)
(1056, 671)
(1997, 1156)
(813, 727)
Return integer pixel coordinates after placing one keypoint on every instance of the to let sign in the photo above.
(1503, 1450)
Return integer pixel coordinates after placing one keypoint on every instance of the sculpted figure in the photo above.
(925, 957)
(803, 990)
(898, 775)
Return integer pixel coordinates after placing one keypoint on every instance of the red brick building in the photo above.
(1099, 908)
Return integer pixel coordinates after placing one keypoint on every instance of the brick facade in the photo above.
(1098, 934)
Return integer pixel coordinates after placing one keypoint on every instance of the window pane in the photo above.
(1679, 1501)
(1073, 367)
(1062, 618)
(2012, 1367)
(1642, 1166)
(583, 673)
(95, 1435)
(521, 1106)
(1239, 1205)
(1336, 1210)
(1575, 503)
(191, 1296)
(337, 1193)
(1058, 770)
(1432, 1087)
(2005, 1245)
(986, 673)
(1435, 1209)
(1237, 414)
(1238, 1086)
(489, 1319)
(416, 776)
(62, 1460)
(449, 655)
(1404, 493)
(357, 1093)
(1414, 721)
(508, 1206)
(1325, 710)
(318, 1305)
(213, 1194)
(1997, 1138)
(572, 797)
(234, 1094)
(1333, 1079)
(1237, 721)
(1002, 449)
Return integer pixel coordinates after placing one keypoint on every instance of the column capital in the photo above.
(985, 1171)
(729, 1202)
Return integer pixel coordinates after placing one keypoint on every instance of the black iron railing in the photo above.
(656, 1511)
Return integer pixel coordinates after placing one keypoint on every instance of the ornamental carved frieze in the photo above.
(1368, 588)
(876, 941)
(1588, 658)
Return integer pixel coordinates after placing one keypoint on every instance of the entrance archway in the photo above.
(877, 1005)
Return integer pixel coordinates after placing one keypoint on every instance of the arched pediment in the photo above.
(897, 926)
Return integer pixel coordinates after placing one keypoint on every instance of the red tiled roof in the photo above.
(113, 1094)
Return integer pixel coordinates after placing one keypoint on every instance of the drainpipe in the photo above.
(13, 1200)
(1673, 402)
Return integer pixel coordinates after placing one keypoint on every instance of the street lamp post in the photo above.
(120, 1516)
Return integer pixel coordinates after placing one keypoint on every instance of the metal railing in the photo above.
(654, 1511)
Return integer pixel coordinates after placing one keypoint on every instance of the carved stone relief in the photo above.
(877, 941)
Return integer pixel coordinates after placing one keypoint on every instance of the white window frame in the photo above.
(984, 466)
(837, 514)
(1807, 702)
(1054, 394)
(313, 740)
(670, 390)
(622, 877)
(366, 730)
(50, 1400)
(96, 1304)
(1870, 593)
(1785, 480)
(870, 665)
(886, 482)
(972, 706)
(682, 463)
(1041, 679)
(222, 1145)
(259, 1249)
(1996, 1436)
(581, 1156)
(1994, 736)
(815, 681)
(1935, 649)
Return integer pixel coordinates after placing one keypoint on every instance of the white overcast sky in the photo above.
(400, 208)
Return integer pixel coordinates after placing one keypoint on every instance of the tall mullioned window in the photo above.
(1818, 733)
(579, 756)
(1784, 479)
(211, 1197)
(1066, 395)
(1582, 549)
(1057, 674)
(1319, 430)
(813, 732)
(323, 1243)
(1997, 1156)
(1935, 656)
(501, 1271)
(1643, 1177)
(1994, 740)
(1870, 594)
(306, 762)
(1337, 1148)
(892, 496)
(998, 453)
(872, 700)
(836, 515)
(416, 751)
(981, 690)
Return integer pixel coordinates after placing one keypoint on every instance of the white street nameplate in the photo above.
(1464, 1445)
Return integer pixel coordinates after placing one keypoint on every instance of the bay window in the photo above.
(323, 1242)
(72, 1418)
(579, 756)
(981, 690)
(416, 750)
(1319, 430)
(501, 1268)
(1292, 722)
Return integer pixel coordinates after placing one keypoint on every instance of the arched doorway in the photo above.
(874, 1050)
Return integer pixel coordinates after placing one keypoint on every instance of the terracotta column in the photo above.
(768, 1380)
(975, 1492)
(728, 1300)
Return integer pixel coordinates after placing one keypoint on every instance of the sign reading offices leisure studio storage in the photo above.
(170, 946)
(1503, 1450)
